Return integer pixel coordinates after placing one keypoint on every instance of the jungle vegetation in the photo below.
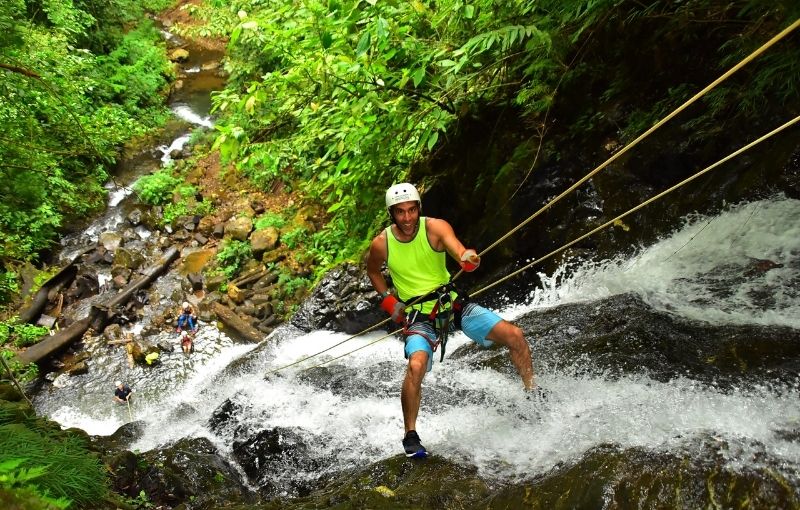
(341, 98)
(79, 79)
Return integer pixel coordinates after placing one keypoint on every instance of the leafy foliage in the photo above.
(341, 95)
(8, 285)
(157, 188)
(23, 373)
(233, 255)
(54, 465)
(75, 87)
(270, 220)
(20, 334)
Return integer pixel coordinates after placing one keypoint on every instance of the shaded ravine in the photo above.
(90, 392)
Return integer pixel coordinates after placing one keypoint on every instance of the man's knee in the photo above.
(507, 334)
(418, 364)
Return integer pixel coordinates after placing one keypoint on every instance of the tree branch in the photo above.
(20, 70)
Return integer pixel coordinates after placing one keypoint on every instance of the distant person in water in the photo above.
(187, 320)
(123, 393)
(187, 344)
(414, 248)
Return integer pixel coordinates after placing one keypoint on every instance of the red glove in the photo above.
(394, 307)
(470, 260)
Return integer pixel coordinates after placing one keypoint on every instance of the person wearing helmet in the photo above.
(187, 343)
(187, 318)
(122, 394)
(414, 248)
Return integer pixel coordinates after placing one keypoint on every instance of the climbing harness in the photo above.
(443, 318)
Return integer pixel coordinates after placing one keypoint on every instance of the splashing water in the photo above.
(481, 416)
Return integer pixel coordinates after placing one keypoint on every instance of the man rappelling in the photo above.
(414, 249)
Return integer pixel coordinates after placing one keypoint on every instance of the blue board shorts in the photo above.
(476, 322)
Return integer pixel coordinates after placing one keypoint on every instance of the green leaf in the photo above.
(335, 207)
(417, 76)
(363, 44)
(235, 35)
(326, 39)
(432, 139)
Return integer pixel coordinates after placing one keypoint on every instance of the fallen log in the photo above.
(239, 326)
(99, 315)
(112, 307)
(56, 342)
(39, 301)
(251, 276)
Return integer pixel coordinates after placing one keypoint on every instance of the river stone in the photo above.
(119, 281)
(206, 225)
(196, 280)
(273, 458)
(78, 368)
(239, 228)
(264, 240)
(135, 217)
(622, 334)
(190, 471)
(215, 282)
(344, 300)
(46, 321)
(610, 477)
(110, 240)
(179, 55)
(128, 258)
(432, 483)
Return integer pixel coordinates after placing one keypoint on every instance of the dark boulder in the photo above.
(343, 301)
(278, 461)
(622, 335)
(191, 470)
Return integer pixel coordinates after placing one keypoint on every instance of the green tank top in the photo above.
(416, 268)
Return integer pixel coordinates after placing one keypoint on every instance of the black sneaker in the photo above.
(412, 445)
(538, 394)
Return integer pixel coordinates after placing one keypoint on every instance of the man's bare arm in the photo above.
(375, 259)
(443, 237)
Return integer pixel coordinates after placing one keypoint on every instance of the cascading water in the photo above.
(348, 414)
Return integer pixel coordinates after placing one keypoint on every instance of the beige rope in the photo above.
(647, 133)
(646, 202)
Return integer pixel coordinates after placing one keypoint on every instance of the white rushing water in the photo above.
(491, 424)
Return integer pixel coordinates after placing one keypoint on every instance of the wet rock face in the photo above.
(355, 382)
(343, 301)
(398, 482)
(608, 477)
(622, 334)
(190, 470)
(277, 460)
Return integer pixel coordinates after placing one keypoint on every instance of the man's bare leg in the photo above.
(505, 333)
(411, 392)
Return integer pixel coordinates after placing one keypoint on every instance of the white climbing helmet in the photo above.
(185, 305)
(399, 193)
(118, 383)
